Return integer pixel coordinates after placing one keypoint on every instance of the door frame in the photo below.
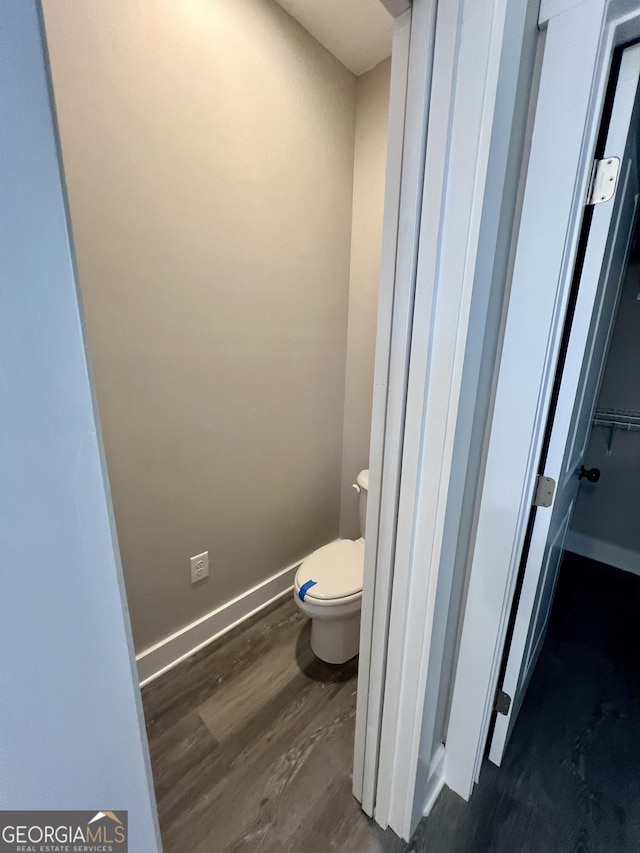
(441, 244)
(395, 305)
(580, 39)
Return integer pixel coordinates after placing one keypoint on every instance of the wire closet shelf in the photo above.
(617, 419)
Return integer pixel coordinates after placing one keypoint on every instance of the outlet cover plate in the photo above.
(199, 567)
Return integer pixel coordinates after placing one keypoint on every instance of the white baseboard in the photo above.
(436, 780)
(604, 552)
(169, 652)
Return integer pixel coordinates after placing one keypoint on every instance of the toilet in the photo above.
(328, 589)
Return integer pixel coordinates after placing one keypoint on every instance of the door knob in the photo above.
(592, 474)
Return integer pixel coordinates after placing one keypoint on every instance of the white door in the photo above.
(602, 273)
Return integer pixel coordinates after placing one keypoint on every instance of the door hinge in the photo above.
(545, 488)
(503, 702)
(604, 177)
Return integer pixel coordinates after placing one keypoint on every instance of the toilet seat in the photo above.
(333, 574)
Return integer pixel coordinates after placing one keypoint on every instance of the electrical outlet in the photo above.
(199, 567)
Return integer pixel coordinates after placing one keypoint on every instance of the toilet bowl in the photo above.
(328, 589)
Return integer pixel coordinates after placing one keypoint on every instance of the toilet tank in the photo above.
(363, 482)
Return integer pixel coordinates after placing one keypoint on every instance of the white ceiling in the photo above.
(357, 32)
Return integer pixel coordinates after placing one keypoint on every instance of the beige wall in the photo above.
(372, 95)
(208, 148)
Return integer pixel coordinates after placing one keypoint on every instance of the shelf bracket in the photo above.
(612, 429)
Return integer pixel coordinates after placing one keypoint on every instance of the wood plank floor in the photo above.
(570, 779)
(251, 745)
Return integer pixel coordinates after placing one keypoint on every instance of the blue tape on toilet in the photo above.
(304, 589)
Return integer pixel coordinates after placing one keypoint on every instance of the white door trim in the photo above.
(467, 111)
(579, 45)
(395, 305)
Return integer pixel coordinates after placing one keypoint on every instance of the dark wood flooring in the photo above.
(251, 745)
(570, 779)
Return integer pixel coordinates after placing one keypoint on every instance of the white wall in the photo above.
(208, 148)
(72, 731)
(605, 524)
(372, 107)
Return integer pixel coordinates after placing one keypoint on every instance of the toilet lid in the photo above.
(337, 570)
